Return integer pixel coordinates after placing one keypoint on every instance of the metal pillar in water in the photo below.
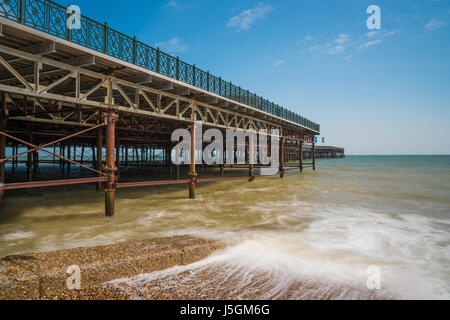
(192, 174)
(2, 143)
(314, 156)
(110, 168)
(99, 159)
(301, 156)
(118, 155)
(251, 155)
(69, 165)
(282, 158)
(29, 160)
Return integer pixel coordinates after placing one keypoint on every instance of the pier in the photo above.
(102, 101)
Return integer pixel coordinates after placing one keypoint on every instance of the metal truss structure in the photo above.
(97, 87)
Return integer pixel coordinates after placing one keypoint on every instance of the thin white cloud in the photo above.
(335, 49)
(308, 38)
(172, 46)
(246, 18)
(380, 34)
(278, 63)
(388, 34)
(435, 24)
(372, 34)
(345, 47)
(314, 47)
(177, 5)
(336, 46)
(343, 38)
(369, 44)
(377, 36)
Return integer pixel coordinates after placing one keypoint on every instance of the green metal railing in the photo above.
(50, 17)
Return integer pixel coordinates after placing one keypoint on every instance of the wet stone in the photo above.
(44, 275)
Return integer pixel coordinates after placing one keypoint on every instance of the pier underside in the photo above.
(67, 106)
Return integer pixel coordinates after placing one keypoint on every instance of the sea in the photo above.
(369, 222)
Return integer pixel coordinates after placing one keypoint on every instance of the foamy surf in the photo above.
(328, 259)
(248, 270)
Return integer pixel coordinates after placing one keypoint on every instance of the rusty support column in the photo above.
(144, 151)
(34, 157)
(314, 156)
(301, 156)
(54, 157)
(93, 162)
(110, 167)
(164, 156)
(17, 159)
(16, 152)
(61, 152)
(136, 152)
(167, 158)
(29, 160)
(69, 165)
(82, 154)
(117, 155)
(2, 143)
(282, 158)
(13, 151)
(223, 160)
(251, 175)
(35, 160)
(192, 173)
(126, 156)
(99, 166)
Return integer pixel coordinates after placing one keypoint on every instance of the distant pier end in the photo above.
(329, 152)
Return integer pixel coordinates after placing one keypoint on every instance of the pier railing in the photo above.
(50, 17)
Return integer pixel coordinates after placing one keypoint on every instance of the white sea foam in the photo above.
(335, 244)
(18, 235)
(268, 264)
(283, 260)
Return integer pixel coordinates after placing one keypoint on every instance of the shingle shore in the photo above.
(43, 275)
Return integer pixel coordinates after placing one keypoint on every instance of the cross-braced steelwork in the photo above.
(50, 17)
(105, 102)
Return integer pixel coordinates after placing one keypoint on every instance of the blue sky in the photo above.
(384, 92)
